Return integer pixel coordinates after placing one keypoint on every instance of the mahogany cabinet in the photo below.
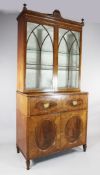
(51, 109)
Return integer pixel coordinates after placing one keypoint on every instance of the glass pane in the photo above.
(39, 56)
(73, 79)
(63, 74)
(68, 59)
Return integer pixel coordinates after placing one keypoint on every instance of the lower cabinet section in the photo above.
(50, 133)
(43, 135)
(55, 128)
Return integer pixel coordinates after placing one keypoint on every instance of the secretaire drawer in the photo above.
(74, 102)
(57, 103)
(44, 105)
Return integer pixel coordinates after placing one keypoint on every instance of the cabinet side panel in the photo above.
(21, 133)
(21, 55)
(22, 103)
(21, 123)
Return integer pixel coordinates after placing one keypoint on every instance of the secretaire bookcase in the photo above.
(51, 109)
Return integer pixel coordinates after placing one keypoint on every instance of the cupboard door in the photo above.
(39, 56)
(73, 128)
(68, 59)
(44, 135)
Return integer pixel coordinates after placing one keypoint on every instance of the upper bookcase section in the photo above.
(49, 52)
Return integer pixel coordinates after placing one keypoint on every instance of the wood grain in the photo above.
(73, 128)
(44, 141)
(48, 121)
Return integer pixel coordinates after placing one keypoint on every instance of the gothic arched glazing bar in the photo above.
(63, 37)
(47, 36)
(44, 41)
(73, 44)
(32, 32)
(75, 38)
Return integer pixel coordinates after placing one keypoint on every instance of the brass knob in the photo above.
(74, 102)
(46, 105)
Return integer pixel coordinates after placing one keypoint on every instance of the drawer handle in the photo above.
(46, 105)
(74, 102)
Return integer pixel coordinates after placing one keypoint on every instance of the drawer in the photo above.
(74, 102)
(57, 103)
(45, 105)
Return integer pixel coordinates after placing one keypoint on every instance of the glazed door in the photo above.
(44, 135)
(73, 128)
(39, 57)
(68, 59)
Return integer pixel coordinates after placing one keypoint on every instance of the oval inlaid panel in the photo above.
(45, 134)
(73, 129)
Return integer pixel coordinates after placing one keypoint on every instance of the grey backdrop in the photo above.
(8, 66)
